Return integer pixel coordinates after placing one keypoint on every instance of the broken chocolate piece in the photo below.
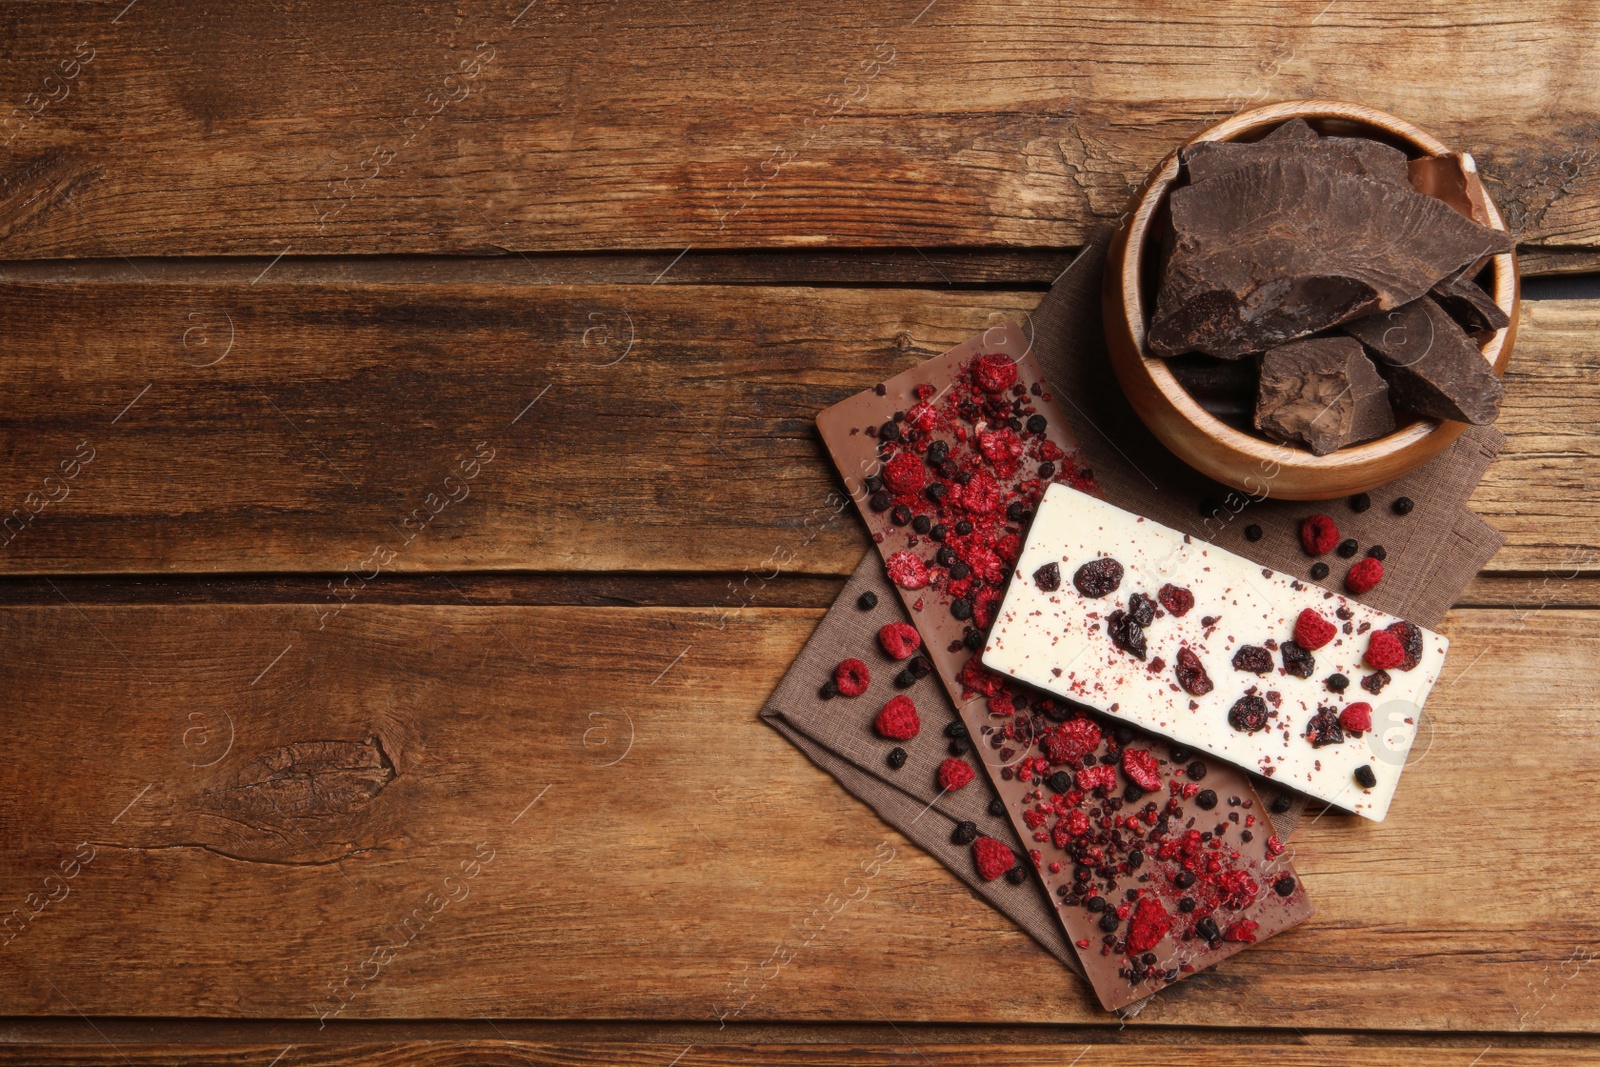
(1273, 252)
(1453, 178)
(1224, 387)
(1360, 156)
(1323, 392)
(1433, 367)
(1467, 303)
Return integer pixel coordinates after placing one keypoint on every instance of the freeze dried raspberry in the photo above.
(1099, 776)
(974, 678)
(981, 495)
(907, 570)
(1252, 658)
(899, 721)
(1001, 704)
(905, 473)
(1076, 823)
(921, 415)
(993, 858)
(1176, 599)
(1274, 846)
(954, 773)
(1357, 718)
(1098, 577)
(1312, 631)
(1243, 930)
(1324, 728)
(1192, 673)
(1248, 714)
(1149, 925)
(1318, 534)
(1384, 650)
(1142, 769)
(1364, 576)
(852, 678)
(994, 373)
(900, 640)
(1071, 741)
(1002, 448)
(1410, 640)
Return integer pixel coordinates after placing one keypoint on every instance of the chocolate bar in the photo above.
(1163, 631)
(1160, 862)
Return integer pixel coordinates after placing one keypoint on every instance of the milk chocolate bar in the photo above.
(1159, 861)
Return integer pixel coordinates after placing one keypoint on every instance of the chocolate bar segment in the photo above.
(947, 462)
(1324, 393)
(1433, 367)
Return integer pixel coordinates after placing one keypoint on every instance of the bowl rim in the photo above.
(1153, 196)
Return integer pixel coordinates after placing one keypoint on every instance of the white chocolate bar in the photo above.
(1059, 642)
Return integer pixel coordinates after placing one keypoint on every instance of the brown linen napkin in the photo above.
(1432, 554)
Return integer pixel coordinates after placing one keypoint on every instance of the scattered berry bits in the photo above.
(1318, 534)
(1402, 505)
(954, 773)
(1312, 631)
(1098, 578)
(992, 857)
(1384, 650)
(1364, 576)
(900, 640)
(1365, 777)
(867, 601)
(898, 720)
(1142, 769)
(852, 678)
(1176, 599)
(1356, 718)
(907, 570)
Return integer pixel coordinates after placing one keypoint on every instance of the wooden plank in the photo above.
(400, 739)
(174, 128)
(312, 427)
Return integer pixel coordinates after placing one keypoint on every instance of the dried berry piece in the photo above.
(1365, 777)
(1099, 776)
(1176, 599)
(1207, 929)
(994, 372)
(1192, 673)
(1296, 660)
(1281, 803)
(1374, 682)
(965, 833)
(852, 678)
(896, 758)
(1143, 769)
(1252, 532)
(1048, 577)
(1356, 718)
(1348, 547)
(1248, 714)
(907, 570)
(1196, 770)
(1337, 683)
(1410, 640)
(1141, 609)
(1284, 886)
(1378, 552)
(1017, 875)
(1319, 571)
(898, 720)
(1364, 576)
(954, 773)
(1384, 650)
(1126, 633)
(1312, 631)
(1324, 728)
(828, 690)
(867, 601)
(900, 640)
(1149, 925)
(1071, 741)
(957, 730)
(1402, 505)
(997, 807)
(1360, 502)
(993, 858)
(961, 608)
(1099, 577)
(1206, 799)
(880, 501)
(1252, 658)
(1318, 534)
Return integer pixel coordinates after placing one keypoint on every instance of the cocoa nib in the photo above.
(1126, 633)
(1323, 392)
(1433, 367)
(1248, 714)
(1324, 728)
(1099, 577)
(1048, 577)
(1252, 658)
(1296, 660)
(1192, 673)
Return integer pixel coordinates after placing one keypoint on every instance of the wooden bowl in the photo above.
(1242, 460)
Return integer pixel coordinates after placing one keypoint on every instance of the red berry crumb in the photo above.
(907, 570)
(1243, 930)
(900, 640)
(1176, 599)
(1384, 650)
(1357, 718)
(1318, 534)
(954, 773)
(1364, 576)
(899, 720)
(994, 858)
(852, 678)
(1142, 769)
(1150, 924)
(994, 373)
(1312, 631)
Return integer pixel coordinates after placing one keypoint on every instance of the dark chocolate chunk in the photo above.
(1048, 577)
(1224, 387)
(1360, 156)
(1466, 302)
(1274, 251)
(1324, 392)
(1433, 367)
(1099, 577)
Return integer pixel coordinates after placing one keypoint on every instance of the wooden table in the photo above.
(413, 496)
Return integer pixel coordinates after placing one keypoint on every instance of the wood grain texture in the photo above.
(230, 762)
(317, 127)
(312, 428)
